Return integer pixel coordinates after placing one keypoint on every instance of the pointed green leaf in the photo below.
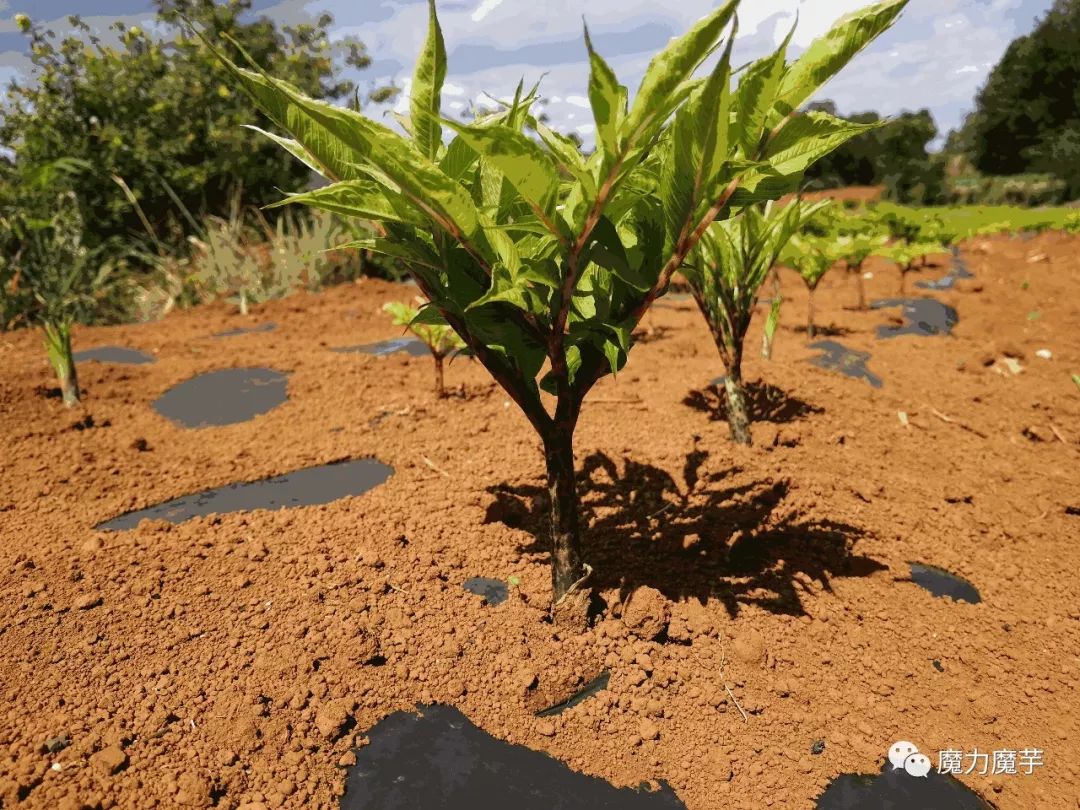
(607, 99)
(829, 53)
(524, 164)
(425, 93)
(807, 138)
(363, 199)
(673, 65)
(756, 96)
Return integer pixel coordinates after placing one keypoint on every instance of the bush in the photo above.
(544, 260)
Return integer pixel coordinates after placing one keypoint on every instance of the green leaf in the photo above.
(363, 199)
(342, 140)
(413, 252)
(672, 66)
(829, 53)
(756, 96)
(607, 99)
(425, 94)
(527, 167)
(807, 138)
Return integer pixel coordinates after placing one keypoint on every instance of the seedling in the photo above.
(543, 259)
(440, 338)
(854, 250)
(726, 272)
(905, 256)
(811, 257)
(59, 272)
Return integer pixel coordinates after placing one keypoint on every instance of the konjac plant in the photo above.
(811, 257)
(542, 259)
(63, 279)
(854, 249)
(726, 271)
(440, 338)
(906, 257)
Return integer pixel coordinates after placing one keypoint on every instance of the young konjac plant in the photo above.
(726, 271)
(906, 257)
(544, 260)
(440, 338)
(854, 249)
(811, 257)
(60, 273)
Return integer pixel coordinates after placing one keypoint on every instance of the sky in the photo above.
(936, 56)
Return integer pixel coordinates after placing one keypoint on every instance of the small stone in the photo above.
(88, 601)
(348, 759)
(545, 728)
(817, 747)
(648, 730)
(109, 760)
(1044, 354)
(54, 745)
(286, 787)
(455, 688)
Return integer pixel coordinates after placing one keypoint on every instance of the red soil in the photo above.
(220, 660)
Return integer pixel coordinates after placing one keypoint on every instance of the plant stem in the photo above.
(439, 388)
(810, 314)
(58, 347)
(738, 415)
(566, 565)
(861, 287)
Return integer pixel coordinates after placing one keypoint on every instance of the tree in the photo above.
(545, 279)
(893, 154)
(1027, 115)
(157, 110)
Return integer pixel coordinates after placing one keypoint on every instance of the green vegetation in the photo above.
(61, 278)
(726, 271)
(158, 111)
(544, 260)
(1027, 115)
(440, 338)
(811, 257)
(854, 249)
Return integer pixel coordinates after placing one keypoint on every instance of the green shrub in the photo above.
(542, 259)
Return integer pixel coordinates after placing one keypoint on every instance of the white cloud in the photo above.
(578, 101)
(968, 69)
(485, 8)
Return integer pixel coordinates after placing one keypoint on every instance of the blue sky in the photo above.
(936, 56)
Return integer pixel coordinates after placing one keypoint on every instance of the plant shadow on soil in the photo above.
(716, 537)
(765, 402)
